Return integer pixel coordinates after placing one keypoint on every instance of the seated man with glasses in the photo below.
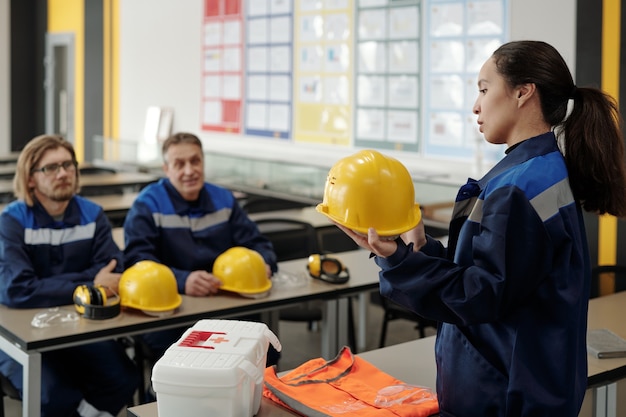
(51, 241)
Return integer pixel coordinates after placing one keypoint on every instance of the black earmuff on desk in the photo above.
(92, 302)
(327, 269)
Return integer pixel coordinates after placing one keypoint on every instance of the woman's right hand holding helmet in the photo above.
(417, 236)
(383, 246)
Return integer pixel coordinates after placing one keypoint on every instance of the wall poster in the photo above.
(269, 68)
(323, 71)
(222, 66)
(462, 35)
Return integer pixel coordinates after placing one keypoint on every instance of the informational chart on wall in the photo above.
(222, 65)
(323, 72)
(462, 35)
(387, 55)
(388, 74)
(269, 68)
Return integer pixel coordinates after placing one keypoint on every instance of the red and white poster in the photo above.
(222, 66)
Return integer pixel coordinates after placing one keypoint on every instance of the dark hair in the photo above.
(181, 137)
(592, 137)
(30, 157)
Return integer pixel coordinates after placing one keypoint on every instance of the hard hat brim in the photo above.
(159, 310)
(263, 289)
(417, 217)
(153, 313)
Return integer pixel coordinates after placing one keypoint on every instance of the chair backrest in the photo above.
(7, 389)
(96, 170)
(256, 204)
(618, 272)
(292, 239)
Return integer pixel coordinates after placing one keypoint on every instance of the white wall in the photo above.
(552, 21)
(5, 76)
(161, 63)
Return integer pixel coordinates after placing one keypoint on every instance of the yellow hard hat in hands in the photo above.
(369, 189)
(243, 271)
(150, 287)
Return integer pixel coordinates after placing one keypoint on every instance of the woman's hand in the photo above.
(417, 235)
(385, 246)
(372, 242)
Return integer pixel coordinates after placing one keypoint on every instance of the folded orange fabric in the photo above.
(347, 386)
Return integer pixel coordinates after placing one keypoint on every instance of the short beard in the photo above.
(62, 195)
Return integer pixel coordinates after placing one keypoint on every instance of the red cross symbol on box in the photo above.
(196, 339)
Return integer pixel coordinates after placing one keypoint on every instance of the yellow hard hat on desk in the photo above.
(369, 189)
(150, 287)
(243, 271)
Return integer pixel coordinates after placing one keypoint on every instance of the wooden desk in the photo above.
(25, 343)
(607, 312)
(132, 180)
(101, 183)
(9, 158)
(333, 240)
(311, 215)
(414, 362)
(7, 171)
(115, 206)
(115, 202)
(306, 214)
(118, 237)
(419, 372)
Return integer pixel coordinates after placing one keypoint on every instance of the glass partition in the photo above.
(272, 178)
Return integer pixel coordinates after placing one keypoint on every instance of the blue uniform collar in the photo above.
(70, 217)
(518, 154)
(522, 152)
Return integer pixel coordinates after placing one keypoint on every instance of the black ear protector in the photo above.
(327, 269)
(91, 302)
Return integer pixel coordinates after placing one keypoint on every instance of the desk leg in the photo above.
(31, 401)
(272, 319)
(362, 329)
(31, 376)
(605, 401)
(343, 328)
(329, 329)
(335, 327)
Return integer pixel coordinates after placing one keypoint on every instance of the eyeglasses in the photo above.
(52, 169)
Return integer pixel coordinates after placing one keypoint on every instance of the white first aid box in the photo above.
(214, 369)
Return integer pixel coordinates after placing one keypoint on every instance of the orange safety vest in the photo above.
(347, 386)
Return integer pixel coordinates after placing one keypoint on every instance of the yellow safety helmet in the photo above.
(150, 287)
(369, 189)
(243, 271)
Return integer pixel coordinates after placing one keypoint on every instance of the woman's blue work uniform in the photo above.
(511, 291)
(42, 261)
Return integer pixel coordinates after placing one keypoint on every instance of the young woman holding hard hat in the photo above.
(511, 290)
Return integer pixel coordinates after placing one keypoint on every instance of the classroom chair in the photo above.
(258, 204)
(618, 272)
(296, 239)
(7, 390)
(95, 170)
(393, 311)
(293, 239)
(103, 190)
